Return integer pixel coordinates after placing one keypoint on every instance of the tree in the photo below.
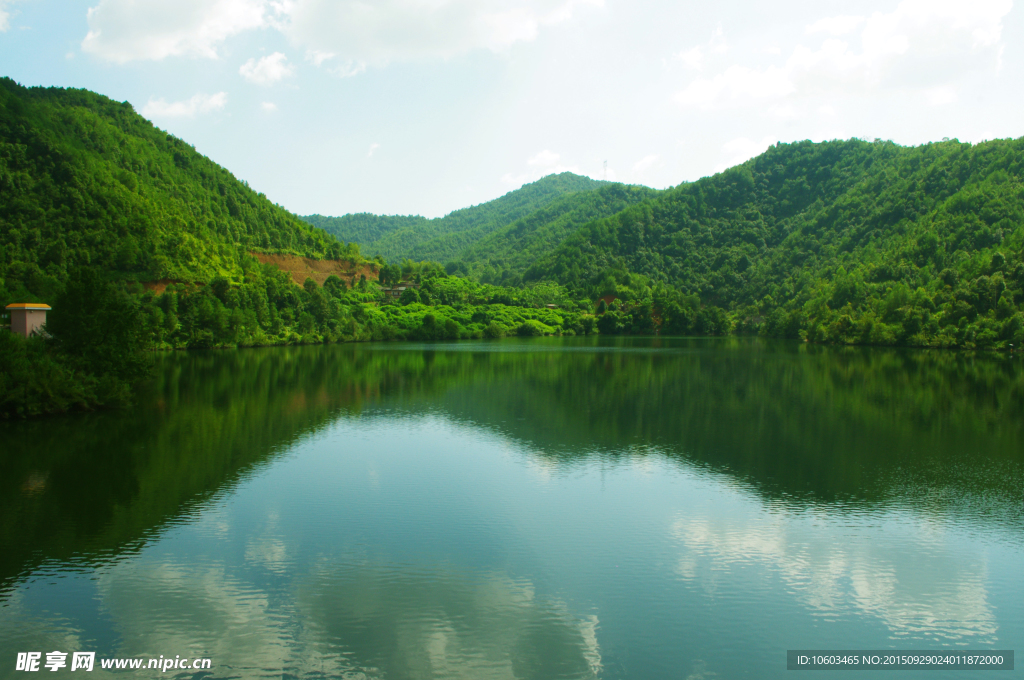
(220, 287)
(390, 274)
(335, 286)
(532, 328)
(100, 326)
(610, 323)
(409, 296)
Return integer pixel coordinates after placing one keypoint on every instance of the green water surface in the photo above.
(543, 508)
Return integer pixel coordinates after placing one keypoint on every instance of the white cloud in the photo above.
(736, 83)
(267, 70)
(373, 147)
(355, 31)
(318, 57)
(399, 30)
(645, 164)
(5, 15)
(922, 46)
(349, 68)
(941, 95)
(840, 25)
(199, 103)
(695, 57)
(518, 180)
(541, 164)
(544, 159)
(785, 111)
(268, 106)
(346, 69)
(692, 59)
(742, 149)
(126, 30)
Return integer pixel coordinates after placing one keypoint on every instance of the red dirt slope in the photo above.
(304, 267)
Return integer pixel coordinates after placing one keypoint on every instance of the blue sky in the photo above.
(427, 106)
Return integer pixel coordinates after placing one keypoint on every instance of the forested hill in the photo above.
(846, 241)
(86, 180)
(367, 229)
(504, 255)
(444, 239)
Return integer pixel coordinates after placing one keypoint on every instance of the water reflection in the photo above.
(438, 623)
(801, 424)
(199, 610)
(917, 579)
(620, 491)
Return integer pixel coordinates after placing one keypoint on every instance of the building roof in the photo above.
(28, 305)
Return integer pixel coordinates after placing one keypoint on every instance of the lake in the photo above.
(546, 508)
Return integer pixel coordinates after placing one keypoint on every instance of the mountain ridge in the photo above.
(442, 239)
(842, 241)
(86, 181)
(845, 241)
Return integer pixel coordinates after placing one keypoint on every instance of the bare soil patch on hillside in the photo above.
(302, 268)
(160, 285)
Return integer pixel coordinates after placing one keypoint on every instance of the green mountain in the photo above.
(452, 237)
(504, 255)
(367, 229)
(844, 241)
(86, 180)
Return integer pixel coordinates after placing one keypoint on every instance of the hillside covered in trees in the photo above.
(490, 234)
(86, 181)
(849, 242)
(844, 241)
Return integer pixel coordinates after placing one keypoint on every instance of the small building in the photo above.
(27, 317)
(393, 293)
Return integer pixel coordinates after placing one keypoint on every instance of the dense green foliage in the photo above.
(848, 242)
(99, 330)
(368, 229)
(86, 181)
(443, 239)
(268, 309)
(35, 380)
(99, 326)
(504, 255)
(93, 355)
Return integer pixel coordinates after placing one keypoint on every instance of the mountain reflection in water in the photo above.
(570, 507)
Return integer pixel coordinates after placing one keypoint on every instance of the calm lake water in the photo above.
(547, 508)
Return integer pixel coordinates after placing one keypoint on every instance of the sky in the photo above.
(428, 106)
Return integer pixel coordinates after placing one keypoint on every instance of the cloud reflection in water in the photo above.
(359, 619)
(914, 578)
